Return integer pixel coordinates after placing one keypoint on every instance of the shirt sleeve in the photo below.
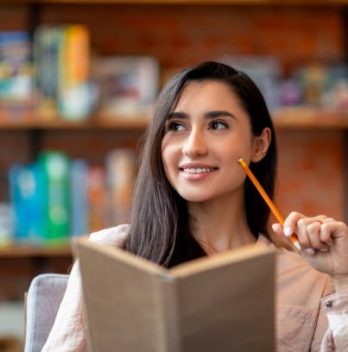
(336, 308)
(69, 329)
(68, 333)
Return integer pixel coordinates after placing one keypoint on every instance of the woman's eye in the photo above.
(175, 126)
(218, 125)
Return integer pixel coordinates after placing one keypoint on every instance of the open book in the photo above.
(220, 303)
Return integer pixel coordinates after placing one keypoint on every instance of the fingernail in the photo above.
(288, 231)
(274, 226)
(310, 251)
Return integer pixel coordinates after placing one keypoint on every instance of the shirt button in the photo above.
(329, 304)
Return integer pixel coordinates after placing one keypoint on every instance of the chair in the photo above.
(42, 302)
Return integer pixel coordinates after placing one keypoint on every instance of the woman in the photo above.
(192, 199)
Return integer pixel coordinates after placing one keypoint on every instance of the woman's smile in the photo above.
(196, 171)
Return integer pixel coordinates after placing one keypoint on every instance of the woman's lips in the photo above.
(197, 172)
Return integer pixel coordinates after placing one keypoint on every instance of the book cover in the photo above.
(21, 187)
(97, 198)
(265, 71)
(74, 98)
(220, 303)
(16, 74)
(6, 224)
(120, 168)
(129, 85)
(79, 209)
(47, 50)
(56, 203)
(27, 203)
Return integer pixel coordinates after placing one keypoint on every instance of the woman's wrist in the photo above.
(341, 284)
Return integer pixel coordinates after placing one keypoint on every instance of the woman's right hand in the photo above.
(324, 243)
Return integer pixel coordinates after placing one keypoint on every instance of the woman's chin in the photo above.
(195, 198)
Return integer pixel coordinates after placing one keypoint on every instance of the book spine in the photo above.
(55, 180)
(47, 48)
(167, 316)
(35, 206)
(74, 101)
(120, 168)
(79, 210)
(97, 198)
(6, 224)
(20, 189)
(25, 193)
(15, 73)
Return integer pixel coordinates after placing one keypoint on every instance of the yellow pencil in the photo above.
(293, 238)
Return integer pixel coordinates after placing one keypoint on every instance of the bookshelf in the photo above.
(287, 118)
(93, 123)
(247, 3)
(22, 251)
(178, 33)
(309, 118)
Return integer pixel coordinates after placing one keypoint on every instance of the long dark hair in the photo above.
(159, 229)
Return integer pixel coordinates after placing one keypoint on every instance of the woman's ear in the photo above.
(261, 145)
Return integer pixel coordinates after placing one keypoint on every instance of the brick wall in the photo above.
(310, 172)
(311, 175)
(182, 35)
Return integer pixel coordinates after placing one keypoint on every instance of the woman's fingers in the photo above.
(313, 236)
(325, 233)
(314, 233)
(278, 229)
(290, 223)
(324, 242)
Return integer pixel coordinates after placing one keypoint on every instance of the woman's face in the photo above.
(206, 134)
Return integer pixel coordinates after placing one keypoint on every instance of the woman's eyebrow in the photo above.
(219, 113)
(209, 114)
(177, 115)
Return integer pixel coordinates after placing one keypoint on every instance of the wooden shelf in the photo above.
(309, 118)
(135, 122)
(34, 251)
(285, 118)
(189, 2)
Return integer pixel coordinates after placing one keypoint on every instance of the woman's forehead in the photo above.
(208, 95)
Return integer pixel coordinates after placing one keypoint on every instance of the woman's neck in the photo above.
(220, 224)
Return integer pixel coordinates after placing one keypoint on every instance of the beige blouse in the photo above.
(305, 306)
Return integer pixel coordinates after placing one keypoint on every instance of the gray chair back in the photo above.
(42, 302)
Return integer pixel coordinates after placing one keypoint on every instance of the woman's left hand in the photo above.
(324, 243)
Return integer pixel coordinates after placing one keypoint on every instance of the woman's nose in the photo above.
(195, 145)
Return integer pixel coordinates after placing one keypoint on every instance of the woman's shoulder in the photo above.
(111, 236)
(293, 269)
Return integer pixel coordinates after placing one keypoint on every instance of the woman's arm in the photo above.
(68, 333)
(69, 329)
(324, 243)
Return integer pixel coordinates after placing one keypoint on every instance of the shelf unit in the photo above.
(284, 118)
(133, 123)
(180, 32)
(25, 251)
(245, 3)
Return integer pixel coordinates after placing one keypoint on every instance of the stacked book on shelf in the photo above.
(54, 76)
(16, 74)
(317, 86)
(56, 197)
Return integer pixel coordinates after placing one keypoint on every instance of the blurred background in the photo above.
(78, 79)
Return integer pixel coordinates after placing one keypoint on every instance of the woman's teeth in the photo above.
(199, 170)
